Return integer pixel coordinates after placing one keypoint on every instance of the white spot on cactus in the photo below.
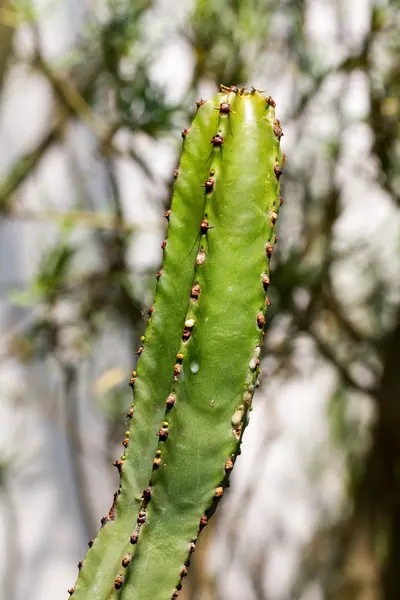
(238, 416)
(229, 288)
(194, 368)
(201, 256)
(254, 359)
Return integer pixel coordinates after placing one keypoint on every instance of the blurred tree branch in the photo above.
(24, 166)
(7, 31)
(75, 446)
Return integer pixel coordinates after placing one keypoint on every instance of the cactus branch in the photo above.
(199, 359)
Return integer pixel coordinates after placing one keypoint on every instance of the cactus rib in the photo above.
(151, 380)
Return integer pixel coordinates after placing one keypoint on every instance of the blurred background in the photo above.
(93, 96)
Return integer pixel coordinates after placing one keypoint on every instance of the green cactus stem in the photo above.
(199, 361)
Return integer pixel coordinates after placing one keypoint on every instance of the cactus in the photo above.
(199, 360)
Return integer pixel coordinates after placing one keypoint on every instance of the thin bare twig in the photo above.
(93, 220)
(71, 98)
(342, 369)
(24, 166)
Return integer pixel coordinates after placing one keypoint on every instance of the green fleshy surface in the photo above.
(155, 366)
(219, 370)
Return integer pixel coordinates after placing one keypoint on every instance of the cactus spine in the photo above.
(199, 362)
